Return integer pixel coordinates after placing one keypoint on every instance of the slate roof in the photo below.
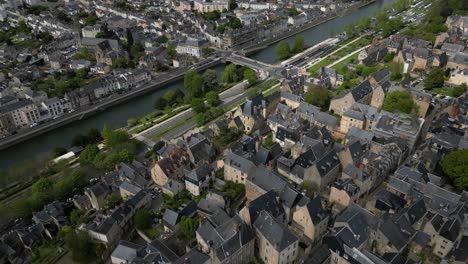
(399, 185)
(289, 197)
(415, 212)
(252, 108)
(129, 187)
(386, 200)
(99, 189)
(381, 76)
(267, 180)
(359, 220)
(327, 163)
(228, 237)
(200, 174)
(357, 151)
(13, 106)
(361, 90)
(200, 148)
(316, 211)
(422, 238)
(172, 218)
(283, 133)
(356, 173)
(342, 236)
(451, 229)
(351, 113)
(362, 135)
(278, 235)
(193, 257)
(239, 162)
(459, 252)
(308, 109)
(266, 202)
(166, 253)
(347, 185)
(394, 234)
(126, 250)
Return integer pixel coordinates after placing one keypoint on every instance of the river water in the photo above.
(117, 116)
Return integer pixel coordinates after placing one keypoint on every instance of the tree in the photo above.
(212, 98)
(310, 188)
(187, 228)
(399, 101)
(250, 76)
(434, 79)
(43, 185)
(198, 105)
(88, 155)
(389, 57)
(81, 246)
(93, 136)
(455, 166)
(230, 74)
(160, 103)
(298, 45)
(282, 50)
(143, 218)
(112, 200)
(232, 4)
(459, 90)
(210, 80)
(252, 92)
(319, 96)
(77, 217)
(193, 82)
(171, 51)
(293, 11)
(114, 137)
(37, 9)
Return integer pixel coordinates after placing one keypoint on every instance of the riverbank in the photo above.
(262, 45)
(100, 106)
(117, 115)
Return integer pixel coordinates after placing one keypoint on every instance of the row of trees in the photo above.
(120, 148)
(284, 51)
(384, 24)
(59, 84)
(170, 99)
(44, 191)
(434, 21)
(205, 87)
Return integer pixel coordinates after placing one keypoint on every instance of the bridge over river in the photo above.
(117, 114)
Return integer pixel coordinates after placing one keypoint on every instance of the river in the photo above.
(117, 116)
(321, 32)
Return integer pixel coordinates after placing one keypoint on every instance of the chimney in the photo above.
(455, 110)
(257, 144)
(235, 227)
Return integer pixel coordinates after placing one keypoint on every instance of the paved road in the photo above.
(161, 80)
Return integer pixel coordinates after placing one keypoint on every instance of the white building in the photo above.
(209, 6)
(192, 47)
(199, 179)
(53, 107)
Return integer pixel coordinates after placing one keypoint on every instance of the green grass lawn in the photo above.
(339, 67)
(442, 91)
(47, 253)
(154, 233)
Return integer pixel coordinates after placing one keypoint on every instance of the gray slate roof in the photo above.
(275, 233)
